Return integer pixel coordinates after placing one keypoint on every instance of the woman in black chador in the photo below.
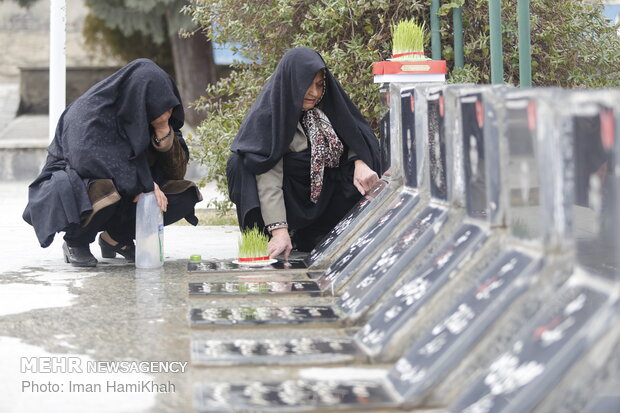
(118, 140)
(303, 155)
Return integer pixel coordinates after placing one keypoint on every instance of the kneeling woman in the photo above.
(121, 138)
(303, 155)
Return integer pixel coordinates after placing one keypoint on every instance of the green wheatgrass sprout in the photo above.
(253, 243)
(407, 37)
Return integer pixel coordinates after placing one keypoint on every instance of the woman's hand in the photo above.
(280, 242)
(162, 201)
(161, 124)
(364, 178)
(163, 131)
(160, 197)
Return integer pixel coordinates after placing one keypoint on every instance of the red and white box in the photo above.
(415, 71)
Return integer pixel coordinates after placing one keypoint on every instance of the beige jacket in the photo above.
(269, 184)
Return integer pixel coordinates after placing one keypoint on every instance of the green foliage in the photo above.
(253, 243)
(142, 16)
(113, 42)
(572, 46)
(446, 8)
(466, 74)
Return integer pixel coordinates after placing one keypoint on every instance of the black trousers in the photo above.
(119, 219)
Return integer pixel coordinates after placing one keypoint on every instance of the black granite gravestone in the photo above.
(372, 284)
(246, 351)
(437, 145)
(416, 290)
(253, 287)
(545, 366)
(450, 340)
(519, 378)
(474, 159)
(291, 395)
(345, 266)
(410, 162)
(230, 266)
(343, 229)
(386, 137)
(284, 315)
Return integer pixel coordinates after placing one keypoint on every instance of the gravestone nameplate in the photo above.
(373, 283)
(410, 163)
(271, 351)
(450, 340)
(416, 290)
(519, 378)
(339, 272)
(437, 145)
(291, 395)
(229, 266)
(376, 195)
(253, 287)
(283, 315)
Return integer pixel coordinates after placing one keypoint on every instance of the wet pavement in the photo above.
(111, 312)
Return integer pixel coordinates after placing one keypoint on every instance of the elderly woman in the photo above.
(118, 140)
(302, 157)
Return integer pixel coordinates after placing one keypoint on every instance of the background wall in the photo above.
(24, 38)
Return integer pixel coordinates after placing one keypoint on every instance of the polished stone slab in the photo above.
(284, 315)
(292, 395)
(448, 342)
(417, 289)
(272, 351)
(253, 287)
(520, 377)
(345, 266)
(208, 266)
(327, 245)
(368, 288)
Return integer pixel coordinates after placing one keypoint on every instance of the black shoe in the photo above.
(110, 251)
(79, 256)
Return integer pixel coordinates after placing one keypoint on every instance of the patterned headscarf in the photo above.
(325, 148)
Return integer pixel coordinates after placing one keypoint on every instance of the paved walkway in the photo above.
(111, 312)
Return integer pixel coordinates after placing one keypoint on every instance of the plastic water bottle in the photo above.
(149, 232)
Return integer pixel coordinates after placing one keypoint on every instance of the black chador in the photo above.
(268, 129)
(104, 134)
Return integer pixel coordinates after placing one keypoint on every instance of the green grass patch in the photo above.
(253, 243)
(407, 37)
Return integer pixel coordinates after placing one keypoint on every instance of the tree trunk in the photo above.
(194, 69)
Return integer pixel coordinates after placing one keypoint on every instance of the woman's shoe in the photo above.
(109, 251)
(79, 256)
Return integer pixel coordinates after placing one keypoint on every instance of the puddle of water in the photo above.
(18, 395)
(20, 298)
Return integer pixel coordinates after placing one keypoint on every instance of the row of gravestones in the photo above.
(483, 268)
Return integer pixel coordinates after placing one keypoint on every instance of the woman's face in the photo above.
(315, 91)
